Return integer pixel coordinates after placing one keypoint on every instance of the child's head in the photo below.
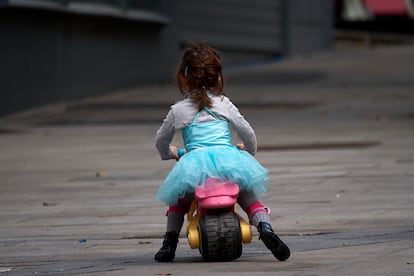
(200, 72)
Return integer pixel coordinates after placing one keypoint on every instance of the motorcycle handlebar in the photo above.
(181, 152)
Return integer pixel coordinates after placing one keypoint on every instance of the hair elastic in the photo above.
(186, 71)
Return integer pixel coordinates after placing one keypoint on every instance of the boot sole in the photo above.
(274, 244)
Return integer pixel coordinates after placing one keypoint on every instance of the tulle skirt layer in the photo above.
(223, 162)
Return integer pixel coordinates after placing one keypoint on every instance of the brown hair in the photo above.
(199, 72)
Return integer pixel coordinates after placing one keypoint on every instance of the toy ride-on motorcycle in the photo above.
(213, 225)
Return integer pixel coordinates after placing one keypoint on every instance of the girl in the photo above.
(204, 116)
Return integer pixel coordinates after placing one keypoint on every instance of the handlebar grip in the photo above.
(181, 152)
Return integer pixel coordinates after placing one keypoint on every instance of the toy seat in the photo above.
(216, 193)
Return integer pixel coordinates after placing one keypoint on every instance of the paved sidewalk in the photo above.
(335, 130)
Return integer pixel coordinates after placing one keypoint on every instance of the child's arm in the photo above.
(240, 146)
(243, 129)
(164, 137)
(174, 151)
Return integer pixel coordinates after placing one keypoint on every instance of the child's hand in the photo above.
(240, 146)
(174, 152)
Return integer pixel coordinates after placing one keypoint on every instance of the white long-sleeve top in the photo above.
(182, 113)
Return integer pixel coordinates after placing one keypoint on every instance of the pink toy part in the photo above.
(387, 7)
(216, 193)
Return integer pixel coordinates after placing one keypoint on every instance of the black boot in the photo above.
(169, 245)
(272, 242)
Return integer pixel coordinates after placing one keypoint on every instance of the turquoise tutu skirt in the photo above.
(223, 162)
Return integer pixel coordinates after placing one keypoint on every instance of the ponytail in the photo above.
(199, 73)
(202, 98)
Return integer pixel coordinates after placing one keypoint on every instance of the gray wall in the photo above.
(62, 53)
(261, 27)
(308, 26)
(49, 55)
(234, 25)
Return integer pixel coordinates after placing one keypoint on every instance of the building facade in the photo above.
(55, 50)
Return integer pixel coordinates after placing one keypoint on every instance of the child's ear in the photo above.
(182, 82)
(181, 79)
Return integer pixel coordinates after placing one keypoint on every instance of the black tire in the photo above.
(220, 237)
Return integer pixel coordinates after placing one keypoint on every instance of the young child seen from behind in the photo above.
(204, 117)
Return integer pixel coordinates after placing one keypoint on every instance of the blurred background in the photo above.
(57, 50)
